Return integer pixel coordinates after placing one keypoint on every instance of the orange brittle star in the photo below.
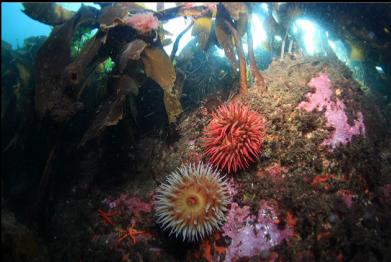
(107, 215)
(131, 232)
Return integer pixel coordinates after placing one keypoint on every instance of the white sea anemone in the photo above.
(192, 202)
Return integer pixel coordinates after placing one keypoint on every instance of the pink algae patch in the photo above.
(231, 188)
(274, 171)
(143, 22)
(251, 234)
(128, 203)
(334, 112)
(347, 197)
(321, 98)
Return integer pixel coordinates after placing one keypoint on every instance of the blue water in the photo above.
(16, 26)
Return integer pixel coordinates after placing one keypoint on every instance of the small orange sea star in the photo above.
(106, 216)
(131, 232)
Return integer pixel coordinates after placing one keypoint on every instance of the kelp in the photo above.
(243, 89)
(110, 112)
(59, 90)
(158, 67)
(55, 55)
(166, 42)
(235, 9)
(48, 13)
(122, 43)
(225, 39)
(258, 79)
(117, 38)
(181, 10)
(110, 13)
(16, 77)
(131, 51)
(164, 36)
(176, 43)
(76, 73)
(89, 54)
(24, 74)
(17, 110)
(242, 24)
(201, 30)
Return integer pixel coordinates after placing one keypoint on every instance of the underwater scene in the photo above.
(216, 131)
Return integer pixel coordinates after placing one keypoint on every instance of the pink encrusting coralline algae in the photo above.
(231, 188)
(131, 203)
(143, 22)
(334, 112)
(251, 235)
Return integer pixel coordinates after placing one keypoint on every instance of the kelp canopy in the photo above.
(126, 34)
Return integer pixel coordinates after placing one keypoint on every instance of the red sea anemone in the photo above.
(192, 202)
(234, 137)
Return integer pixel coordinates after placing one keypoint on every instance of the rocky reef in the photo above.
(94, 124)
